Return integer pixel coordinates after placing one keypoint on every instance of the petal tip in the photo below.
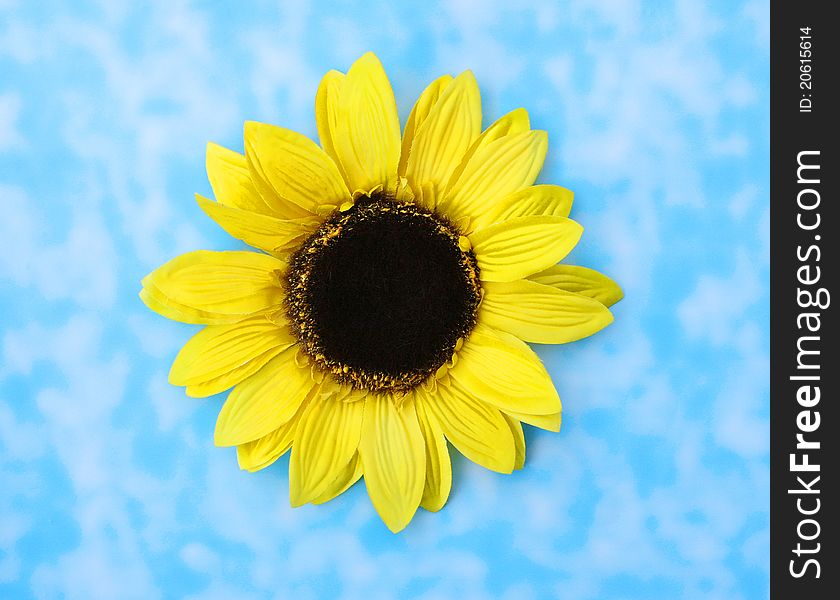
(250, 128)
(174, 376)
(295, 501)
(146, 298)
(369, 55)
(520, 118)
(396, 525)
(468, 75)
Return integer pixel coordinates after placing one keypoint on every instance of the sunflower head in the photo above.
(398, 280)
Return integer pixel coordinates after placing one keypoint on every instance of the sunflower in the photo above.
(387, 314)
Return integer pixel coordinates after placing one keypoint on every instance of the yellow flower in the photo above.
(388, 312)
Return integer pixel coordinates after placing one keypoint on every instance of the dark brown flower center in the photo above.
(380, 294)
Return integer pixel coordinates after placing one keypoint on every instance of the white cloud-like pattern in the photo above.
(657, 485)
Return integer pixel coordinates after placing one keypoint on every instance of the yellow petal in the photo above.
(264, 401)
(230, 285)
(425, 195)
(288, 167)
(260, 453)
(476, 429)
(501, 370)
(348, 476)
(327, 440)
(367, 135)
(404, 193)
(252, 467)
(539, 313)
(210, 387)
(326, 112)
(518, 438)
(258, 230)
(231, 181)
(418, 114)
(548, 422)
(170, 309)
(450, 129)
(229, 350)
(394, 458)
(580, 280)
(514, 122)
(534, 200)
(494, 171)
(438, 464)
(522, 246)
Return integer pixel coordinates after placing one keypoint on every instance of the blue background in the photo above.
(657, 485)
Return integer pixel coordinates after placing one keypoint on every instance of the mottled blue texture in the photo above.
(657, 485)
